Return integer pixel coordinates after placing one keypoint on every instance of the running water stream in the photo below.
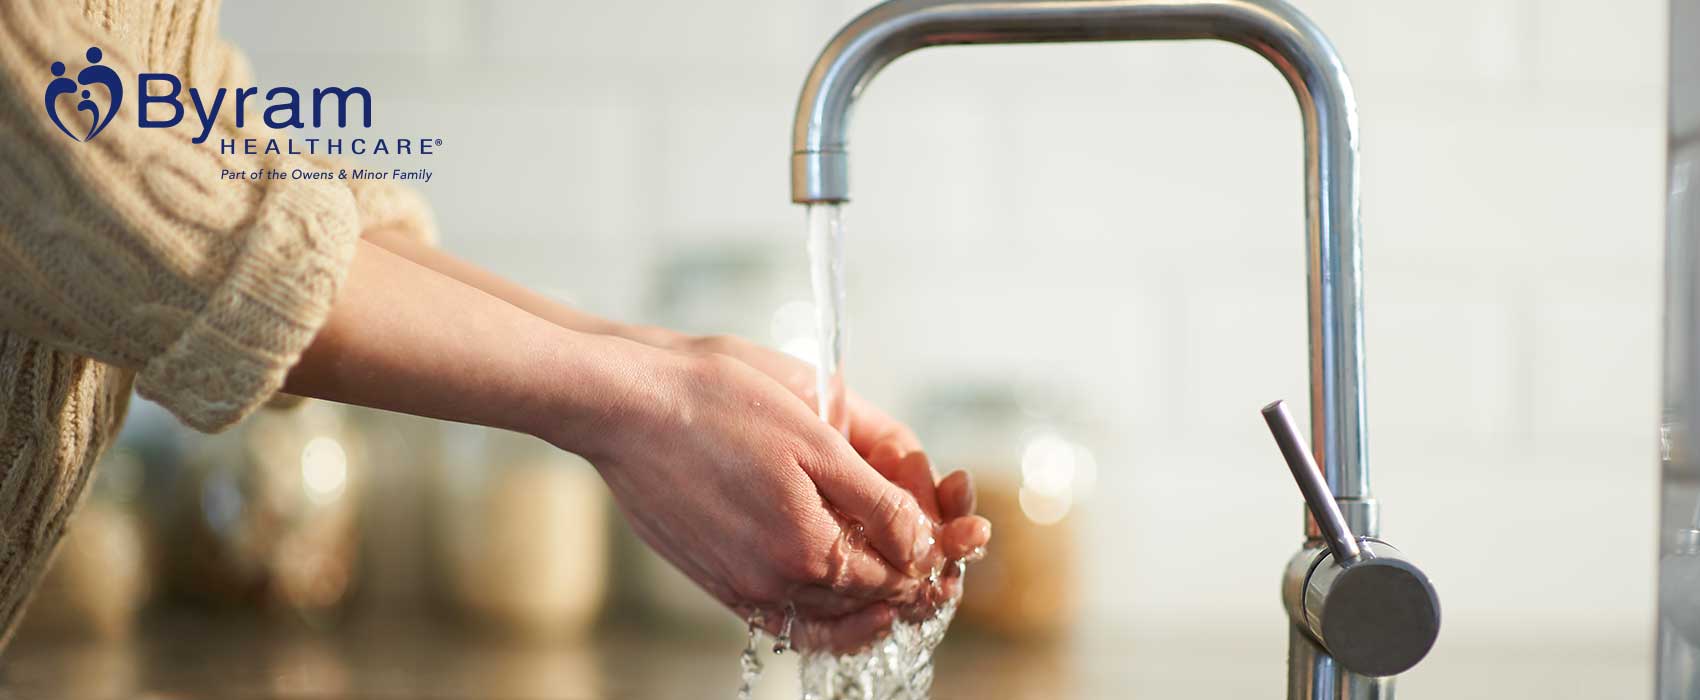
(826, 276)
(900, 666)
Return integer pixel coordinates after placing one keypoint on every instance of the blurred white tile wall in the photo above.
(1125, 221)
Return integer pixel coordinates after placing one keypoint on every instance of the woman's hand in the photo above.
(888, 445)
(884, 442)
(732, 480)
(718, 467)
(406, 339)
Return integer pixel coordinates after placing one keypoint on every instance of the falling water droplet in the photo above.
(750, 662)
(784, 642)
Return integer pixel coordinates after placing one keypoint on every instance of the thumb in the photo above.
(891, 519)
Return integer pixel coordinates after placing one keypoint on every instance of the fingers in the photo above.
(871, 428)
(857, 573)
(948, 587)
(914, 599)
(960, 537)
(892, 449)
(956, 495)
(912, 470)
(892, 520)
(820, 602)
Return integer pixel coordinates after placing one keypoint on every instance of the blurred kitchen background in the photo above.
(1077, 270)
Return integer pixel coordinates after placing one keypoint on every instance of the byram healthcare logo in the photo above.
(94, 74)
(161, 104)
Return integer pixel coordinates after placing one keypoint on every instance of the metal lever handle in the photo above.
(1318, 497)
(1370, 608)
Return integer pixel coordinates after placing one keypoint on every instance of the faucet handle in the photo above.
(1372, 609)
(1318, 497)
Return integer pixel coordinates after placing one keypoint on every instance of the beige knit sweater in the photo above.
(125, 260)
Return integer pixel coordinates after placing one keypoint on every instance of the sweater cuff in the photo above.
(254, 326)
(385, 205)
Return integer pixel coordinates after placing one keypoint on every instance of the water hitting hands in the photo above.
(828, 620)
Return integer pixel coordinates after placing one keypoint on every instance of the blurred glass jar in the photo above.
(521, 534)
(100, 577)
(402, 452)
(1031, 477)
(734, 287)
(266, 513)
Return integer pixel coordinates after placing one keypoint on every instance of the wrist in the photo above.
(602, 391)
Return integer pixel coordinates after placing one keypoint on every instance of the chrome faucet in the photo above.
(1360, 611)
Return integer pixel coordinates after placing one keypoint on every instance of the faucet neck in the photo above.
(1273, 29)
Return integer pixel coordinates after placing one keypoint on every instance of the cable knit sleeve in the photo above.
(129, 248)
(382, 204)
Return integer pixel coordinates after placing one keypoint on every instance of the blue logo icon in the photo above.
(94, 74)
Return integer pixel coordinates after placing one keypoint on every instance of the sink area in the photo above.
(202, 658)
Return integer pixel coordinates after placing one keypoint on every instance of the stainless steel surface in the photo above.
(1678, 674)
(1273, 29)
(1328, 112)
(1323, 510)
(1687, 543)
(1363, 517)
(1360, 600)
(1312, 673)
(1377, 616)
(1300, 52)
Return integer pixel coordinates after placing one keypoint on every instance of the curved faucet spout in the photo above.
(1273, 29)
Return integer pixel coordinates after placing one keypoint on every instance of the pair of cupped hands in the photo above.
(737, 483)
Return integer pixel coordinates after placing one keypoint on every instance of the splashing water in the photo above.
(900, 666)
(749, 663)
(783, 643)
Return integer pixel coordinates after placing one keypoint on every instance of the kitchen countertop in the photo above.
(196, 658)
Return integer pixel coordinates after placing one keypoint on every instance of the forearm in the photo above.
(518, 295)
(405, 338)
